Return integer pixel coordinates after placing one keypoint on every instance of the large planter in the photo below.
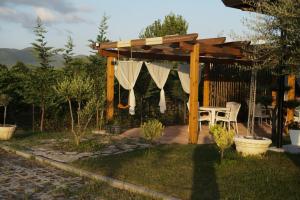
(7, 131)
(248, 145)
(295, 137)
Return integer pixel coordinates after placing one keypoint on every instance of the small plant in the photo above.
(4, 101)
(223, 138)
(152, 129)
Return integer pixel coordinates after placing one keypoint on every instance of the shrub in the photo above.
(151, 130)
(222, 137)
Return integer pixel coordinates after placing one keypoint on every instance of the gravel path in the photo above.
(25, 179)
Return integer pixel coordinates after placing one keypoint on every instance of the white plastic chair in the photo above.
(230, 116)
(261, 113)
(204, 116)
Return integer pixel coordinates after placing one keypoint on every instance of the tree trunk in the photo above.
(71, 114)
(78, 111)
(4, 117)
(97, 119)
(42, 118)
(101, 119)
(33, 117)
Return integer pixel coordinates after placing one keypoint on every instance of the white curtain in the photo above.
(127, 73)
(184, 77)
(159, 73)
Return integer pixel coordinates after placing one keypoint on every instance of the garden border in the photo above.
(83, 173)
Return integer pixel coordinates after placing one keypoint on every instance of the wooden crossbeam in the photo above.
(173, 57)
(150, 41)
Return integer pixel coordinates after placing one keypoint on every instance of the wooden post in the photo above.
(110, 73)
(291, 96)
(206, 86)
(194, 81)
(274, 93)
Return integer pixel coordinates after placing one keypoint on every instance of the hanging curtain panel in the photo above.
(159, 73)
(127, 73)
(184, 77)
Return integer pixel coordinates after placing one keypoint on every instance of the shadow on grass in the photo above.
(204, 177)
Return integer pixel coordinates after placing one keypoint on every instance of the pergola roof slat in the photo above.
(177, 48)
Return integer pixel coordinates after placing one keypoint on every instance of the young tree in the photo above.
(4, 101)
(68, 53)
(79, 90)
(43, 76)
(172, 24)
(276, 31)
(96, 69)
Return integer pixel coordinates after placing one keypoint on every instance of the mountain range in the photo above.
(10, 57)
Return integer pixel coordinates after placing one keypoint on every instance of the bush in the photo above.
(151, 130)
(223, 138)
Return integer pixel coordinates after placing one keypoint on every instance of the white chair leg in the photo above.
(200, 126)
(237, 129)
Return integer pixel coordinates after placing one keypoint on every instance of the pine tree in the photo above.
(68, 53)
(44, 76)
(96, 69)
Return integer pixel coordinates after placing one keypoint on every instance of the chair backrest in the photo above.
(258, 109)
(234, 110)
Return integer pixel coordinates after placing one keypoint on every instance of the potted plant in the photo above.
(294, 131)
(251, 145)
(6, 130)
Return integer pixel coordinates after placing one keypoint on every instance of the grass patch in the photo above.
(62, 141)
(96, 190)
(195, 172)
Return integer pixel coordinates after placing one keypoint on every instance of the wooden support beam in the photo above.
(274, 93)
(194, 82)
(291, 96)
(110, 73)
(206, 85)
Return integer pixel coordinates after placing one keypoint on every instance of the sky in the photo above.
(80, 19)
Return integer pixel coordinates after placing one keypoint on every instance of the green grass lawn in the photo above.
(100, 190)
(195, 172)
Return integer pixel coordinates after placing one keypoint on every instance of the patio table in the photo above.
(213, 111)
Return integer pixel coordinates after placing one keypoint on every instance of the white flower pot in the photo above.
(295, 137)
(6, 132)
(251, 146)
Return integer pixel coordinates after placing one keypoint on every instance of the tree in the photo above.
(43, 76)
(276, 33)
(4, 101)
(96, 69)
(172, 24)
(78, 89)
(68, 53)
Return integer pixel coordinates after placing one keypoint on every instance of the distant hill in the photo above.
(9, 57)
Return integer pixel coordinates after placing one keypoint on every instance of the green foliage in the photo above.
(277, 32)
(68, 54)
(222, 137)
(42, 51)
(40, 86)
(4, 100)
(78, 89)
(172, 24)
(151, 130)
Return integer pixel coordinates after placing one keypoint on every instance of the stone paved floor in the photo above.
(25, 179)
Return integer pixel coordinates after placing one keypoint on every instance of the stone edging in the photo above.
(111, 181)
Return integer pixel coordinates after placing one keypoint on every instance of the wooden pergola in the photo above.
(186, 48)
